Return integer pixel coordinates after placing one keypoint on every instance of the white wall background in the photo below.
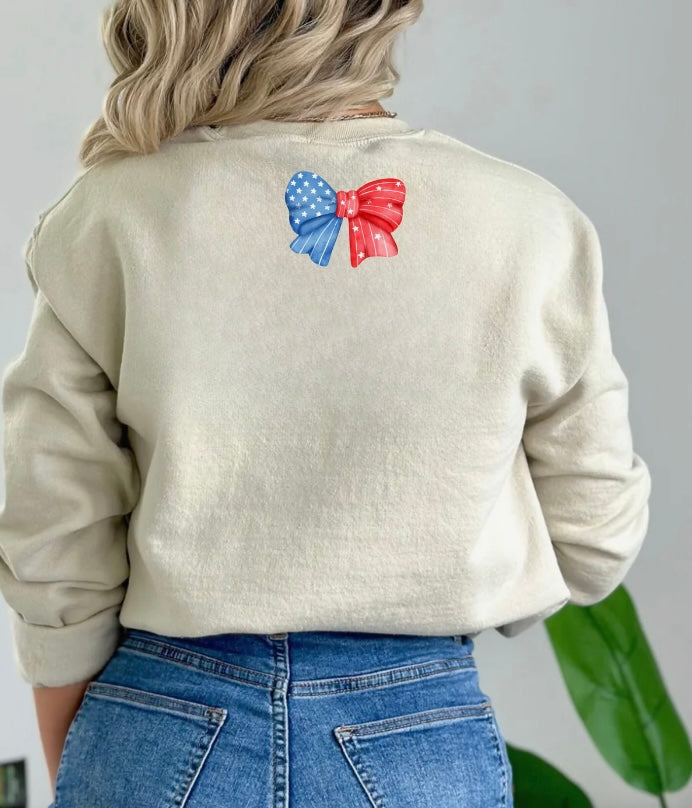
(592, 94)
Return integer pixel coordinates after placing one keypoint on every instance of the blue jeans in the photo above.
(299, 720)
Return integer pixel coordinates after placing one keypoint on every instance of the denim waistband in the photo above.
(312, 654)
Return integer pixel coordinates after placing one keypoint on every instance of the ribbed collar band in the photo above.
(348, 129)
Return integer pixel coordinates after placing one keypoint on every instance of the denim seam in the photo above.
(501, 760)
(201, 663)
(156, 701)
(186, 778)
(279, 735)
(433, 716)
(364, 775)
(205, 747)
(383, 678)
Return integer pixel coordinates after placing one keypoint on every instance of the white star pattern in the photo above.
(300, 176)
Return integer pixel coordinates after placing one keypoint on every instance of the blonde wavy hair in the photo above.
(183, 63)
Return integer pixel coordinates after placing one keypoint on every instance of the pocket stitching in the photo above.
(437, 714)
(360, 768)
(347, 737)
(157, 701)
(215, 719)
(504, 760)
(206, 743)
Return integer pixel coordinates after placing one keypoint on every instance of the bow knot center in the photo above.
(346, 204)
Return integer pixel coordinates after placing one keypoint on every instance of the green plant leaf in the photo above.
(538, 784)
(619, 693)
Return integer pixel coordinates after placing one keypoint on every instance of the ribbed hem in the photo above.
(47, 656)
(349, 129)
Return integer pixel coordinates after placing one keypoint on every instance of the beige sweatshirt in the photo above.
(279, 376)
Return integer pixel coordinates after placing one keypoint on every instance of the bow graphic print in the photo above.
(316, 211)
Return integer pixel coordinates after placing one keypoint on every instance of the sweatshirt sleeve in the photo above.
(592, 486)
(70, 483)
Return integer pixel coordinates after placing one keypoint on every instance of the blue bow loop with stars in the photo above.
(311, 203)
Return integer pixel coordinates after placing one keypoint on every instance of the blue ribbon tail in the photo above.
(317, 238)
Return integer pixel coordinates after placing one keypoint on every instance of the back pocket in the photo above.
(440, 758)
(133, 747)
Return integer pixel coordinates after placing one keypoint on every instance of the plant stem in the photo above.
(662, 799)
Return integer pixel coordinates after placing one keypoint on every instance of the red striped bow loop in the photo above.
(373, 211)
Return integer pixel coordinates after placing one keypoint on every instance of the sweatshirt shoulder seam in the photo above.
(43, 215)
(547, 183)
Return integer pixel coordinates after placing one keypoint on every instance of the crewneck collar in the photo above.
(348, 129)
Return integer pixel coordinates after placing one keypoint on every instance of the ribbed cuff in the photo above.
(53, 657)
